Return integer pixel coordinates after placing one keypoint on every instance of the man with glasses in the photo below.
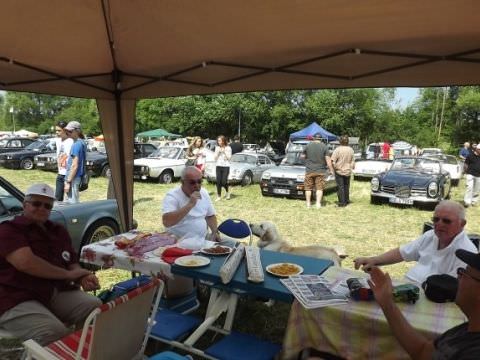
(458, 343)
(40, 275)
(434, 251)
(188, 209)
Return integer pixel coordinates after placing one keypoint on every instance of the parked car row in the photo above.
(24, 158)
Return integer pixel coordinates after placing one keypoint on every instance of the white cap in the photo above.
(42, 190)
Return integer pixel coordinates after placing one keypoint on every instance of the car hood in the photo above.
(157, 162)
(287, 171)
(95, 155)
(407, 178)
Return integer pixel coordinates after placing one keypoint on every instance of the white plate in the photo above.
(192, 261)
(228, 250)
(271, 269)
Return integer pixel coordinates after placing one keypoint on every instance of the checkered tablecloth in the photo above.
(359, 330)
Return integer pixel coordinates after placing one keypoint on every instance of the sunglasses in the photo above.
(38, 204)
(462, 271)
(446, 221)
(195, 182)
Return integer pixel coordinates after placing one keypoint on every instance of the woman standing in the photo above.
(196, 153)
(343, 161)
(222, 156)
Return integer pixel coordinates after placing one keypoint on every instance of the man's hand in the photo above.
(89, 282)
(381, 285)
(365, 262)
(77, 273)
(66, 187)
(194, 197)
(216, 236)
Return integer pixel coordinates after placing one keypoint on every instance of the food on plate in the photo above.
(284, 269)
(192, 262)
(122, 242)
(149, 243)
(217, 250)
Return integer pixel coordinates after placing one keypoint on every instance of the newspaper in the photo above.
(314, 291)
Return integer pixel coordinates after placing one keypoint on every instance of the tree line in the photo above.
(441, 117)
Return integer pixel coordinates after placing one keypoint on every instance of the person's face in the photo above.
(198, 143)
(37, 208)
(192, 182)
(447, 224)
(220, 141)
(468, 292)
(59, 131)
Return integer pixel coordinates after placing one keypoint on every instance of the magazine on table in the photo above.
(314, 291)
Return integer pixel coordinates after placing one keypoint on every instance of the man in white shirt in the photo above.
(434, 251)
(188, 209)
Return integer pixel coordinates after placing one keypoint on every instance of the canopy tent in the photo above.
(312, 130)
(157, 133)
(26, 133)
(120, 51)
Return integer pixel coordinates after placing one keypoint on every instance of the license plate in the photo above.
(397, 200)
(40, 164)
(281, 191)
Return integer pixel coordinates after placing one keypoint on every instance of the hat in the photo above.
(470, 258)
(73, 125)
(309, 137)
(42, 190)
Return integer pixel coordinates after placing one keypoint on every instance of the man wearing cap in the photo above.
(40, 275)
(317, 161)
(458, 343)
(434, 251)
(472, 171)
(75, 163)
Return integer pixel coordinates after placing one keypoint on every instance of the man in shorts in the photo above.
(317, 161)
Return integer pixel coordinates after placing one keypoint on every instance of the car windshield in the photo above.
(166, 152)
(242, 158)
(35, 145)
(446, 159)
(293, 158)
(420, 164)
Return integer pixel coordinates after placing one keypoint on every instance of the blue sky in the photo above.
(406, 96)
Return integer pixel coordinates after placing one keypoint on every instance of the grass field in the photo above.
(361, 228)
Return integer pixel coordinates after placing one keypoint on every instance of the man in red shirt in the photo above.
(386, 150)
(40, 275)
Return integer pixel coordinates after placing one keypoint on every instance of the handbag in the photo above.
(440, 288)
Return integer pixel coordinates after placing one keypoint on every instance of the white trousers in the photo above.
(472, 189)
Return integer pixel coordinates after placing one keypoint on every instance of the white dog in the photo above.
(270, 239)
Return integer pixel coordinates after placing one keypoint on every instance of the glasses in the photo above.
(446, 221)
(462, 271)
(38, 204)
(195, 182)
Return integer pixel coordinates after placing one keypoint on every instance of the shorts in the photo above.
(317, 179)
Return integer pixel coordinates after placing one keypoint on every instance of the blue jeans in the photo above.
(59, 185)
(73, 195)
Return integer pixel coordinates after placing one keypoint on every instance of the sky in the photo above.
(406, 96)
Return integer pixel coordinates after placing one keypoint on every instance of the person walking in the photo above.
(75, 163)
(196, 153)
(317, 160)
(386, 150)
(472, 171)
(343, 162)
(222, 156)
(64, 145)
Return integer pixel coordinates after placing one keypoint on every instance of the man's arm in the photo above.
(88, 282)
(24, 260)
(213, 226)
(390, 257)
(417, 345)
(174, 217)
(330, 164)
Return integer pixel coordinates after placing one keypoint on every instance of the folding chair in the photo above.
(237, 229)
(116, 330)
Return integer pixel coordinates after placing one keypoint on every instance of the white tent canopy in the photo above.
(123, 50)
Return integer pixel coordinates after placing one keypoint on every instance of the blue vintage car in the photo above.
(411, 181)
(86, 222)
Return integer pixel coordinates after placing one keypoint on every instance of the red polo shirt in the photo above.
(52, 245)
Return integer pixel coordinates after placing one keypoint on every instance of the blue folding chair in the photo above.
(236, 228)
(169, 355)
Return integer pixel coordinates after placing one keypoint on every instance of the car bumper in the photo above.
(296, 191)
(412, 200)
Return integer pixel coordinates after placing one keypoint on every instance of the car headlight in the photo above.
(375, 184)
(432, 189)
(9, 157)
(52, 159)
(89, 163)
(301, 178)
(266, 176)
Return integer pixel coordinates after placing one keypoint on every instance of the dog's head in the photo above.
(266, 231)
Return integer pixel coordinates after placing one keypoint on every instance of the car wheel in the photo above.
(26, 164)
(166, 177)
(106, 172)
(247, 179)
(99, 230)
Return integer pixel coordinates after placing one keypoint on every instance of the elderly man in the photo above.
(460, 342)
(465, 151)
(40, 275)
(188, 209)
(434, 251)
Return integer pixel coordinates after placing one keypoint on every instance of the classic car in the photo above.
(451, 164)
(24, 159)
(431, 151)
(287, 179)
(366, 169)
(352, 142)
(14, 144)
(164, 165)
(86, 222)
(411, 181)
(245, 168)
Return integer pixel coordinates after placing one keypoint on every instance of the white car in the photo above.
(370, 168)
(451, 164)
(165, 164)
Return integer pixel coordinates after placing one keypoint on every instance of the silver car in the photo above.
(245, 168)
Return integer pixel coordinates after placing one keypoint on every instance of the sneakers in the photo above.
(227, 196)
(318, 206)
(218, 198)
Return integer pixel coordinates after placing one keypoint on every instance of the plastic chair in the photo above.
(237, 229)
(169, 355)
(116, 330)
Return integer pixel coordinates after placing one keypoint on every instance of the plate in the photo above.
(192, 261)
(222, 250)
(284, 269)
